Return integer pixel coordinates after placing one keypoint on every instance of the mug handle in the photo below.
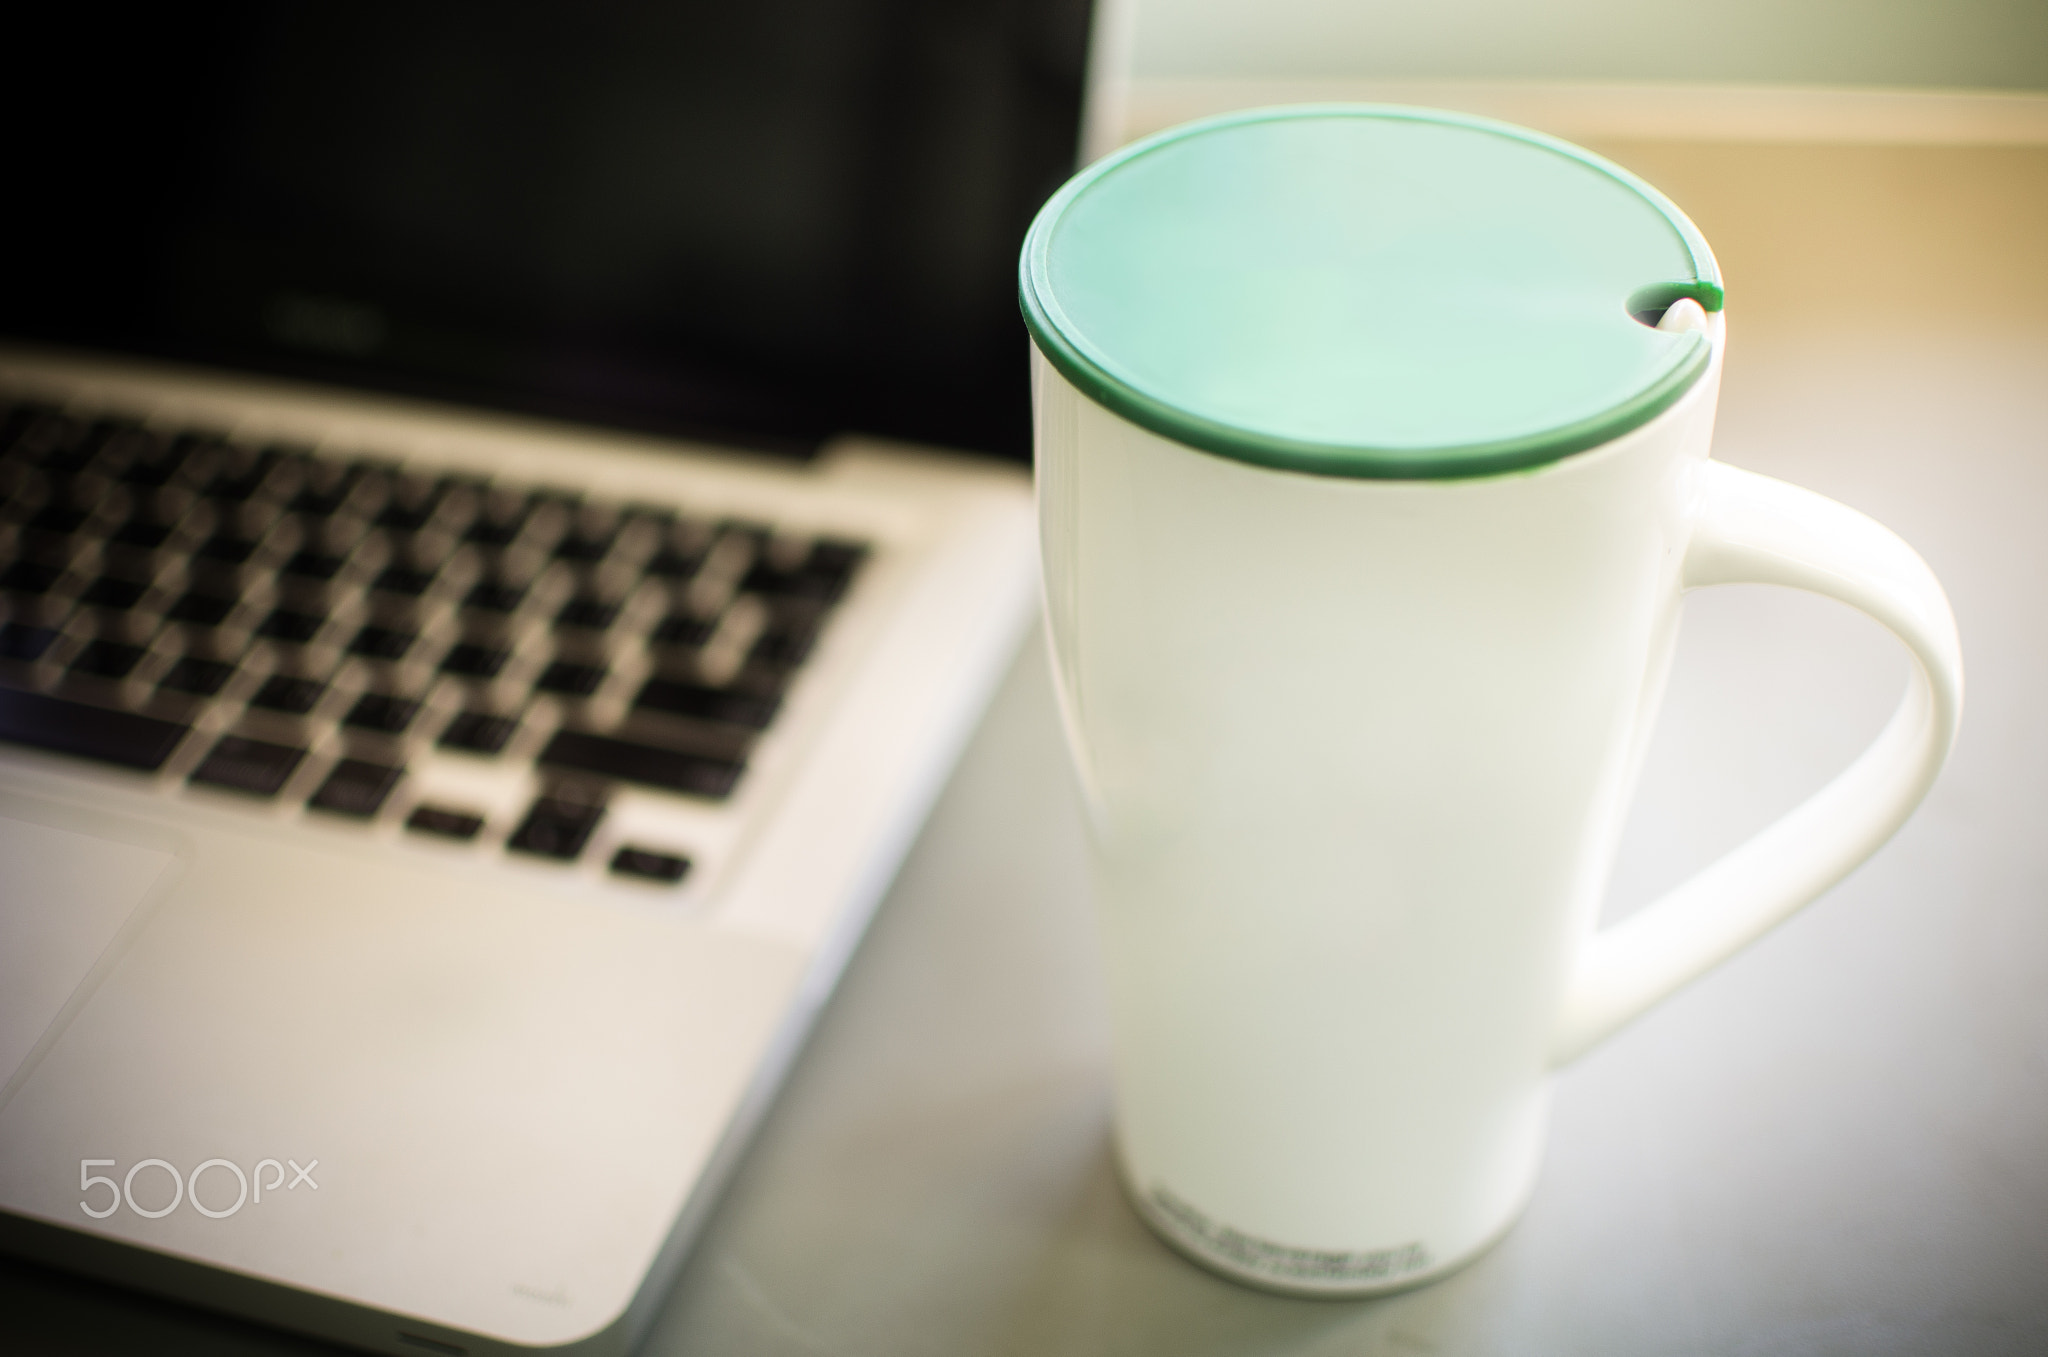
(1751, 529)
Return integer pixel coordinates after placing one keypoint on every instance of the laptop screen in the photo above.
(761, 223)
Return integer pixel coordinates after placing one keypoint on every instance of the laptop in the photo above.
(507, 515)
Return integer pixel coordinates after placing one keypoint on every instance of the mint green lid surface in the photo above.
(1357, 290)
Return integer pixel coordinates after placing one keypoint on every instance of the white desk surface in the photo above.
(1838, 1144)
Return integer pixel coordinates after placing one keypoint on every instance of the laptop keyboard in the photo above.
(277, 623)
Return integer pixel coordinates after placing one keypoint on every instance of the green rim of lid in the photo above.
(1367, 290)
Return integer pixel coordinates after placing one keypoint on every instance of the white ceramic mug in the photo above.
(1356, 750)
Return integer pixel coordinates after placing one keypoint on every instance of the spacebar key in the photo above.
(66, 727)
(645, 764)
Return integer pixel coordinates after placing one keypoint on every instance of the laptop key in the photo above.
(788, 639)
(122, 443)
(25, 642)
(257, 767)
(836, 557)
(382, 643)
(410, 503)
(289, 694)
(684, 629)
(111, 591)
(324, 487)
(404, 579)
(556, 828)
(571, 679)
(678, 698)
(59, 518)
(201, 608)
(644, 764)
(356, 787)
(324, 548)
(144, 532)
(315, 565)
(30, 577)
(228, 546)
(154, 464)
(382, 712)
(449, 824)
(823, 574)
(108, 659)
(478, 732)
(197, 676)
(285, 624)
(495, 596)
(681, 550)
(588, 612)
(65, 727)
(650, 865)
(239, 473)
(474, 661)
(500, 519)
(590, 536)
(43, 431)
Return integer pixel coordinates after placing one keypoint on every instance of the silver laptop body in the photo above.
(421, 1092)
(427, 832)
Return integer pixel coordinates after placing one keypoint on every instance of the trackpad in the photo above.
(64, 896)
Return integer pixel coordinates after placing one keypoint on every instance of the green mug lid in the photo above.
(1366, 290)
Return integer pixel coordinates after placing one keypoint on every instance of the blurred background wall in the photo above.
(1945, 72)
(1973, 44)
